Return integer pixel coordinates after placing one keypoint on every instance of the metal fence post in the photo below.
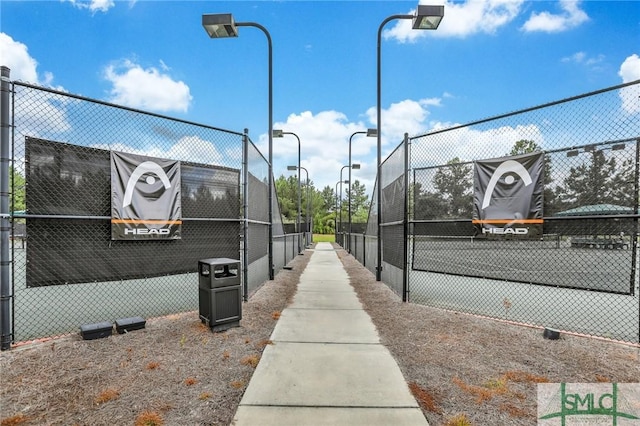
(245, 212)
(405, 220)
(5, 229)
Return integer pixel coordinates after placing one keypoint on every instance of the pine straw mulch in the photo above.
(173, 372)
(462, 369)
(467, 370)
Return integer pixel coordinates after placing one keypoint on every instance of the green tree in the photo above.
(287, 190)
(591, 182)
(550, 205)
(524, 146)
(454, 183)
(328, 196)
(18, 186)
(359, 203)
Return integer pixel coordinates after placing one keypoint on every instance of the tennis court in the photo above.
(584, 290)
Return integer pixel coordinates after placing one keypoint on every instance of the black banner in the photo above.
(508, 196)
(69, 224)
(145, 202)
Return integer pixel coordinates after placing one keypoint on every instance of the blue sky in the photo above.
(488, 57)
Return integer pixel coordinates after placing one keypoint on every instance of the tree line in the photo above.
(325, 206)
(599, 179)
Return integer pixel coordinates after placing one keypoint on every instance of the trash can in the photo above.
(220, 293)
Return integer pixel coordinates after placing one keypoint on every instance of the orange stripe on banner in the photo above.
(498, 221)
(148, 222)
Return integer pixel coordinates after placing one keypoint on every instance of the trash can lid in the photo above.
(219, 261)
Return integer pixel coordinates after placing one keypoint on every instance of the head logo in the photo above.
(509, 166)
(592, 403)
(142, 169)
(507, 198)
(145, 197)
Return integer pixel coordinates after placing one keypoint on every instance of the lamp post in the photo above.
(291, 168)
(369, 133)
(348, 181)
(277, 133)
(222, 25)
(340, 182)
(426, 18)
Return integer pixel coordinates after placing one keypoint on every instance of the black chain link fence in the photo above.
(73, 261)
(257, 214)
(392, 219)
(565, 256)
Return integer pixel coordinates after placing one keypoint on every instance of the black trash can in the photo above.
(220, 293)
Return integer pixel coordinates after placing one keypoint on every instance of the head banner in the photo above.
(508, 196)
(145, 201)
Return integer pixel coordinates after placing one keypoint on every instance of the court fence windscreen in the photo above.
(530, 216)
(111, 208)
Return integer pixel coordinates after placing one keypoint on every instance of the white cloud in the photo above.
(93, 5)
(15, 55)
(630, 96)
(186, 149)
(44, 113)
(405, 116)
(147, 89)
(570, 17)
(464, 141)
(325, 141)
(324, 144)
(461, 20)
(630, 69)
(581, 58)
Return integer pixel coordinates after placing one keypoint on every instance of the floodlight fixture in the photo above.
(220, 25)
(428, 17)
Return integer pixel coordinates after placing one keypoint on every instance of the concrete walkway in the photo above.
(326, 365)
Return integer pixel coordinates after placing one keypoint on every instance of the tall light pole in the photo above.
(222, 25)
(291, 168)
(277, 133)
(340, 182)
(369, 133)
(353, 166)
(425, 18)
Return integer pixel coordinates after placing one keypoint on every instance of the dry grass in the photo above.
(190, 381)
(250, 360)
(463, 370)
(458, 420)
(426, 400)
(18, 419)
(479, 371)
(107, 395)
(149, 418)
(174, 372)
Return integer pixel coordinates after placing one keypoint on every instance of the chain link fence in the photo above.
(257, 200)
(530, 217)
(112, 208)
